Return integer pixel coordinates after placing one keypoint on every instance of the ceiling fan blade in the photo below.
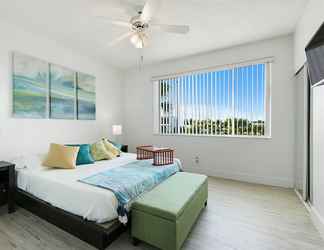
(129, 7)
(178, 29)
(150, 8)
(120, 38)
(114, 21)
(104, 8)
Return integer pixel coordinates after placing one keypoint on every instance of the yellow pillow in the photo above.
(60, 156)
(111, 148)
(99, 152)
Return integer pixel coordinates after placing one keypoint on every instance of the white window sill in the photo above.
(220, 136)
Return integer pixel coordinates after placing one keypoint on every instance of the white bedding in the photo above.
(61, 188)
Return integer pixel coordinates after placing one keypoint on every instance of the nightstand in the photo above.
(124, 148)
(7, 185)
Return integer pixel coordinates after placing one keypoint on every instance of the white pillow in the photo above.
(32, 161)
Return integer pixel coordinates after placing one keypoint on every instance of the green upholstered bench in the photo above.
(164, 216)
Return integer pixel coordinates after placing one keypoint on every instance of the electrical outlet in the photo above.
(197, 159)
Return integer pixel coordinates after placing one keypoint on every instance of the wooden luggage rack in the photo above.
(160, 156)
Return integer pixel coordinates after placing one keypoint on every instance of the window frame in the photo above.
(268, 61)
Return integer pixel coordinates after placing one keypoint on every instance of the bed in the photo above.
(58, 196)
(62, 189)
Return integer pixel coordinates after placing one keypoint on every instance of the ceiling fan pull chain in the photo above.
(141, 62)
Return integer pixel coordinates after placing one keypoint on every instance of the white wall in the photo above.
(307, 26)
(301, 131)
(268, 161)
(317, 152)
(23, 136)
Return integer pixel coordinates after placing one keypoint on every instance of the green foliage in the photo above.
(164, 89)
(216, 127)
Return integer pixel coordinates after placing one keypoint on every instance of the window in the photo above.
(231, 101)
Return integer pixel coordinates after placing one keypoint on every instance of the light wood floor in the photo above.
(239, 216)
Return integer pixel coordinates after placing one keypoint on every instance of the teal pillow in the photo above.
(84, 155)
(117, 145)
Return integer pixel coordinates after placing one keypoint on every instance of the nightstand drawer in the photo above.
(7, 185)
(4, 174)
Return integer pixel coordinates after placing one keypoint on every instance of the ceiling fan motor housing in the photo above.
(138, 25)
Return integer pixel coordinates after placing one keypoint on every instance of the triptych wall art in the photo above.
(45, 90)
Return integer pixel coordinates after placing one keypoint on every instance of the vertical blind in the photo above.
(232, 102)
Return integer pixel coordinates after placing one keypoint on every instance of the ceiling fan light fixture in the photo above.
(139, 45)
(139, 40)
(135, 38)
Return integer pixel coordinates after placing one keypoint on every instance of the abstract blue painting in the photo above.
(62, 93)
(86, 97)
(30, 86)
(45, 90)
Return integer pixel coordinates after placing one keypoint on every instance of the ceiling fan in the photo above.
(140, 23)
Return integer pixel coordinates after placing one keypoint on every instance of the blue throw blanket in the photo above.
(131, 180)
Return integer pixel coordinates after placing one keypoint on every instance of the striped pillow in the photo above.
(99, 152)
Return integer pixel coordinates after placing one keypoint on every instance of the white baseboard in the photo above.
(266, 180)
(316, 218)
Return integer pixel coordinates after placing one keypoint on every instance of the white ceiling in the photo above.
(213, 24)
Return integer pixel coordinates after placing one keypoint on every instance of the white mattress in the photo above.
(61, 187)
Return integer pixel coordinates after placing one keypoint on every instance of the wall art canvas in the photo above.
(30, 86)
(62, 93)
(86, 97)
(45, 90)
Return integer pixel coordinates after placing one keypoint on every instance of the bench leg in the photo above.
(135, 241)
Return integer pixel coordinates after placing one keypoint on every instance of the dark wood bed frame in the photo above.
(97, 235)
